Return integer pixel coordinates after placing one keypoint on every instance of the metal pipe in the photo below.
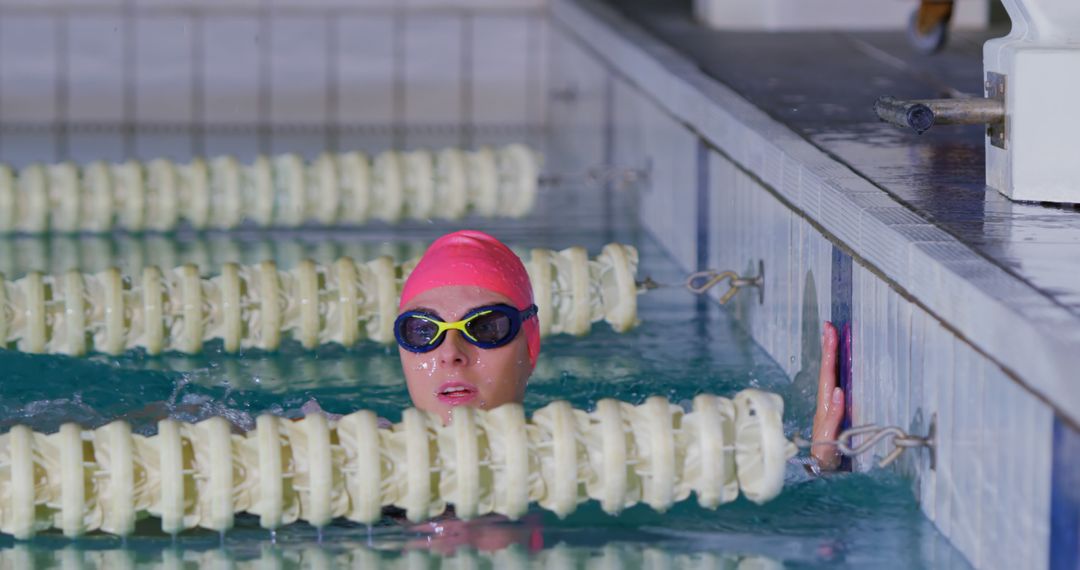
(921, 114)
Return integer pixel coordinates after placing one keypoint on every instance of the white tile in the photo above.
(995, 538)
(244, 146)
(861, 302)
(918, 420)
(19, 149)
(628, 144)
(31, 3)
(749, 245)
(967, 463)
(336, 3)
(887, 363)
(889, 372)
(201, 5)
(801, 324)
(776, 230)
(370, 142)
(28, 69)
(500, 57)
(308, 144)
(231, 64)
(867, 340)
(433, 140)
(537, 78)
(96, 74)
(797, 272)
(884, 371)
(682, 152)
(797, 263)
(477, 4)
(734, 241)
(942, 347)
(882, 364)
(823, 253)
(433, 70)
(177, 146)
(669, 210)
(576, 116)
(1040, 457)
(809, 193)
(901, 412)
(722, 200)
(299, 61)
(365, 76)
(933, 358)
(84, 147)
(163, 69)
(1021, 497)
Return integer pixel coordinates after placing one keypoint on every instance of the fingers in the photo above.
(835, 413)
(827, 428)
(827, 376)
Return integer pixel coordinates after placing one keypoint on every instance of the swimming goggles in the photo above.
(490, 326)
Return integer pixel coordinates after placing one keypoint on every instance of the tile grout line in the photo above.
(332, 83)
(62, 96)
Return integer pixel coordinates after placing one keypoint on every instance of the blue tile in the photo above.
(841, 318)
(702, 261)
(1065, 498)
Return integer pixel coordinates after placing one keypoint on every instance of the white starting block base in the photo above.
(782, 15)
(1040, 60)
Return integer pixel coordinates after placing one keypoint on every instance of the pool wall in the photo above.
(934, 329)
(112, 79)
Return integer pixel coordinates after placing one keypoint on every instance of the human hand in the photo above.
(830, 402)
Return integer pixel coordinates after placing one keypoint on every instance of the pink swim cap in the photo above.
(473, 258)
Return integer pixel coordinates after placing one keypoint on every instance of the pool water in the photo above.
(684, 346)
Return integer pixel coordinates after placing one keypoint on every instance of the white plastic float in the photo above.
(256, 306)
(318, 470)
(280, 191)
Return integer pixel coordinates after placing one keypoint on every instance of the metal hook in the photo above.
(900, 441)
(712, 278)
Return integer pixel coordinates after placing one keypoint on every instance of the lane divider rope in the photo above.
(257, 306)
(317, 469)
(280, 191)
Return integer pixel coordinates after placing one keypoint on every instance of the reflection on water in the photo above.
(613, 555)
(57, 254)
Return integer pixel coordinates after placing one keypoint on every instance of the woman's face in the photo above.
(458, 373)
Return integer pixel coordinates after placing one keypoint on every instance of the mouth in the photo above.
(456, 393)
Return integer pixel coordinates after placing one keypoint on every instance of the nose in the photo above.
(454, 351)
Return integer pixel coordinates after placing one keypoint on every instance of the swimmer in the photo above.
(468, 335)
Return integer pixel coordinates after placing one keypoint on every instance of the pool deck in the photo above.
(823, 86)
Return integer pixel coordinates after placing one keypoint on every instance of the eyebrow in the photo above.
(425, 310)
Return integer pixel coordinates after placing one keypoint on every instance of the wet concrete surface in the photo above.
(823, 86)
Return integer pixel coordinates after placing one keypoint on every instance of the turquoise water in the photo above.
(684, 346)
